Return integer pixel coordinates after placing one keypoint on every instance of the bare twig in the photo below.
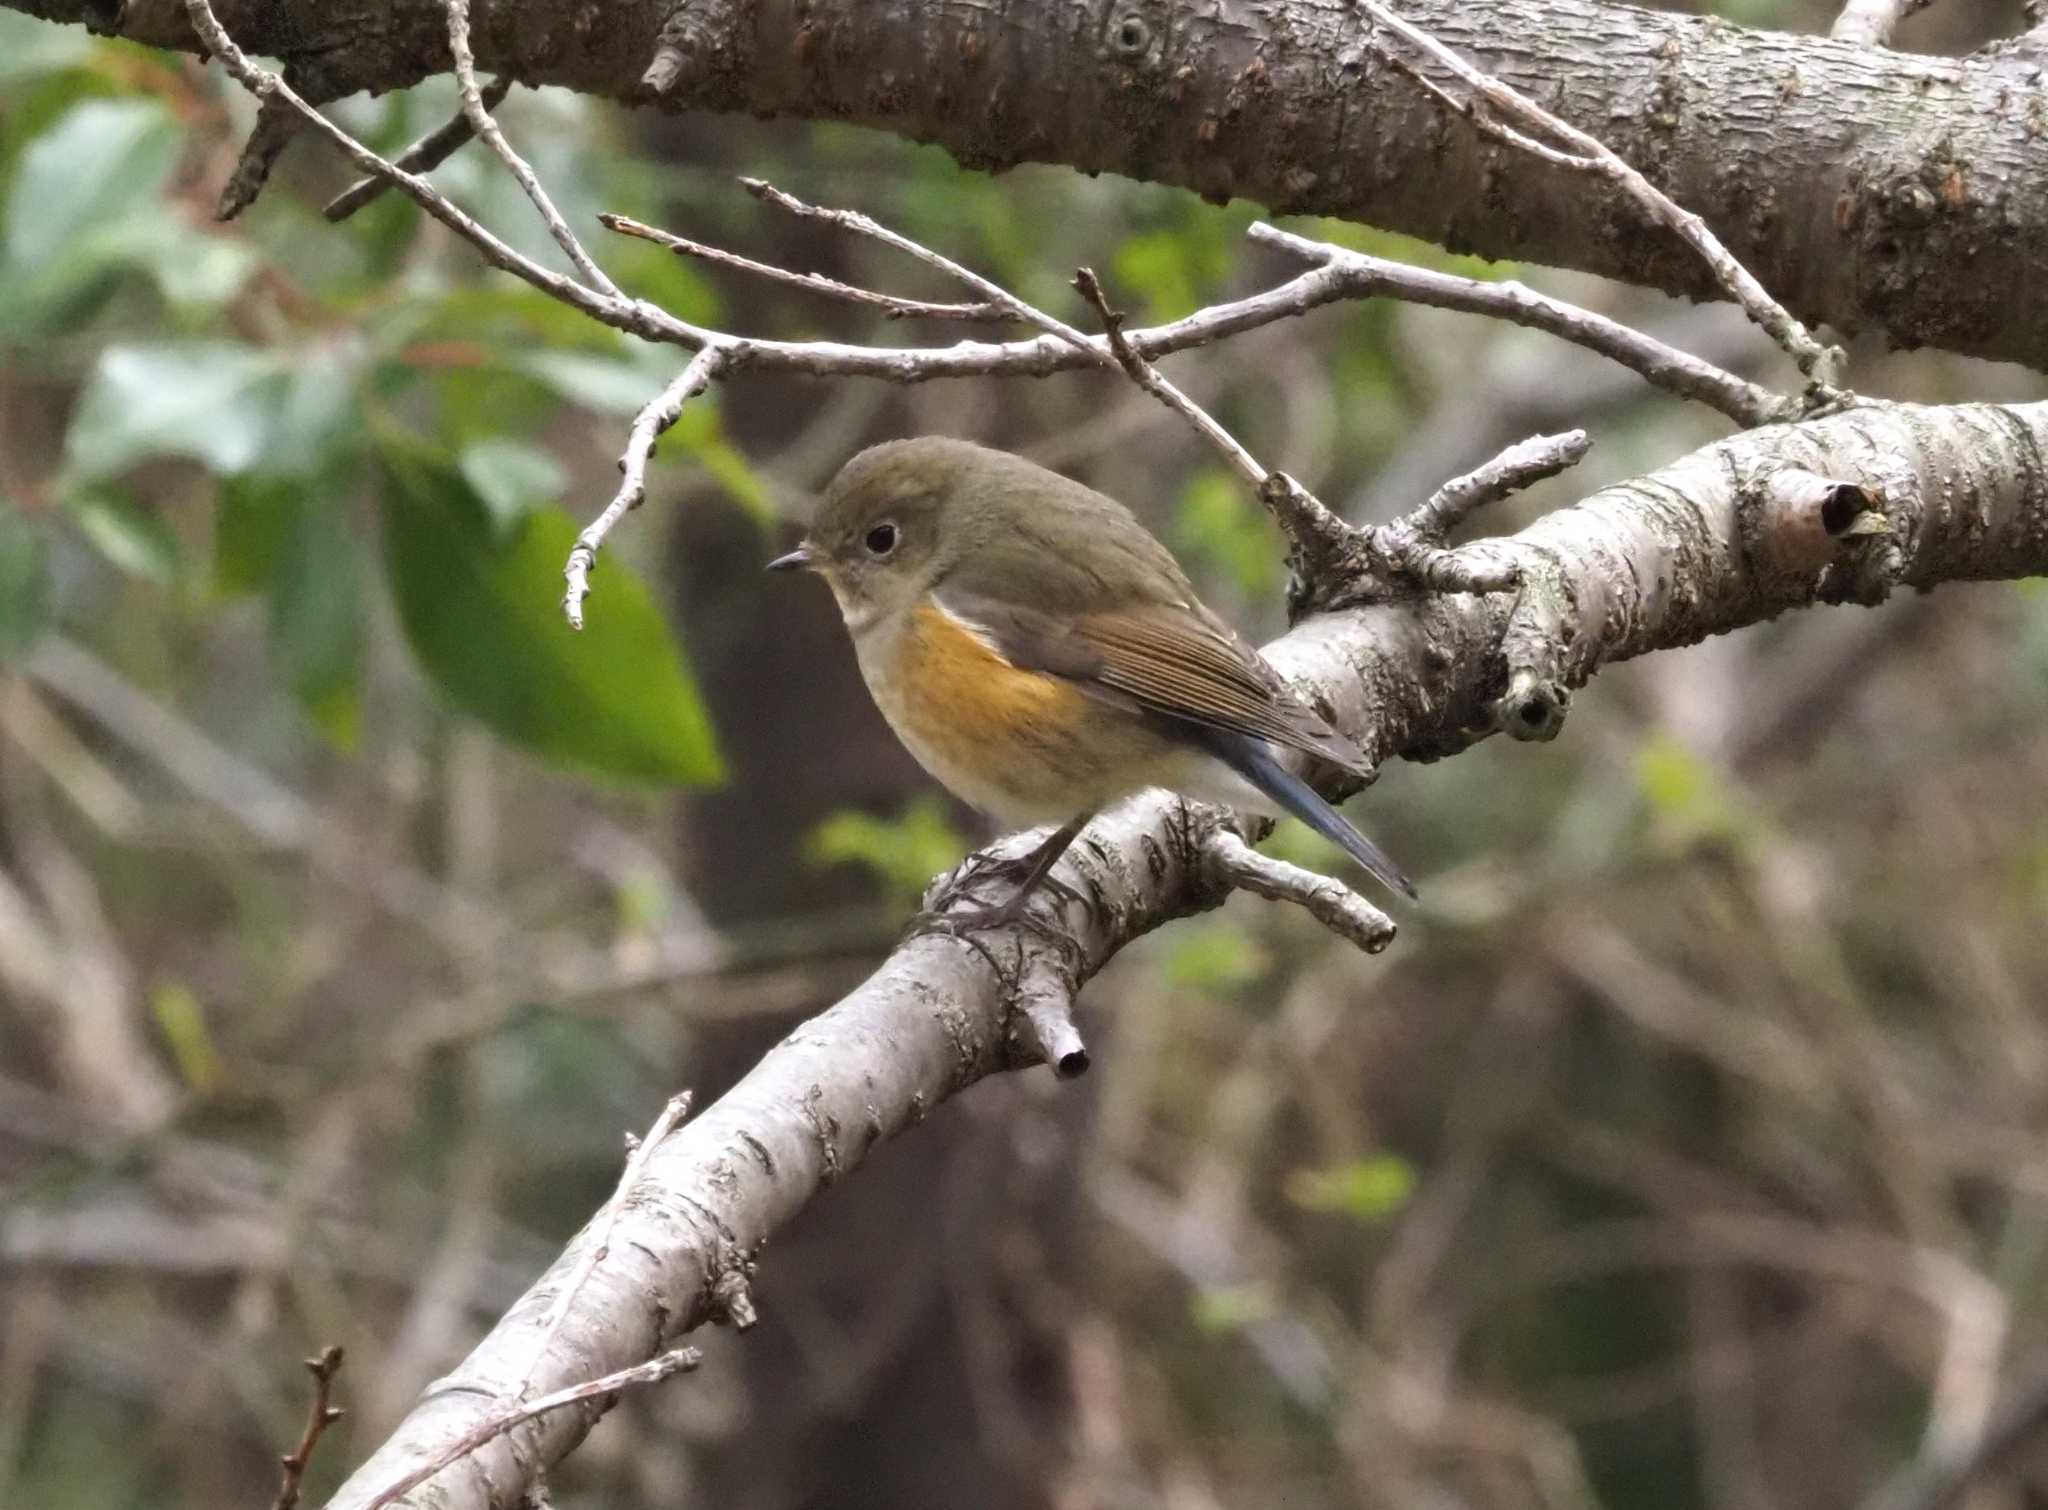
(994, 293)
(1155, 382)
(1414, 546)
(1521, 465)
(320, 1415)
(1323, 551)
(675, 1361)
(890, 305)
(275, 127)
(648, 428)
(484, 125)
(1362, 276)
(423, 156)
(638, 318)
(1872, 22)
(1819, 364)
(638, 1151)
(1331, 903)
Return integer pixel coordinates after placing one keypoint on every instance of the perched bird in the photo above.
(1042, 654)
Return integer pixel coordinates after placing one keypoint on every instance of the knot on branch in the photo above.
(1040, 983)
(1533, 707)
(732, 1296)
(1535, 647)
(1798, 523)
(688, 40)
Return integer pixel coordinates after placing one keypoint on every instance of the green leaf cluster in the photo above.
(252, 412)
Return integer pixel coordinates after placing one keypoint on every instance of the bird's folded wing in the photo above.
(1169, 661)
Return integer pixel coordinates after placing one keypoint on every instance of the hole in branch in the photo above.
(1844, 502)
(1133, 36)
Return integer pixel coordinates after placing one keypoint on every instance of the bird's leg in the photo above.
(1037, 867)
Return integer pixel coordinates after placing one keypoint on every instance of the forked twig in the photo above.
(423, 156)
(320, 1414)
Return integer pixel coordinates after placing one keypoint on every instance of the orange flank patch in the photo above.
(972, 706)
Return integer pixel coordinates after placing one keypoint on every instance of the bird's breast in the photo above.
(1023, 745)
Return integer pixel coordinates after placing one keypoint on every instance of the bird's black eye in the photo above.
(881, 539)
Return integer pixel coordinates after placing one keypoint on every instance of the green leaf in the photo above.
(512, 477)
(484, 617)
(600, 384)
(190, 266)
(181, 1018)
(904, 852)
(208, 400)
(24, 579)
(130, 536)
(1218, 1310)
(316, 618)
(1367, 1190)
(1690, 799)
(255, 513)
(318, 417)
(104, 160)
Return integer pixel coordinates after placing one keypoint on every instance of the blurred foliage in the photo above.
(303, 388)
(902, 853)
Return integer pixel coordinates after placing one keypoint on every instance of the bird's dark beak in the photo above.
(800, 557)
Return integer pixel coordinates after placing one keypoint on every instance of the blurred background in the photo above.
(1690, 1149)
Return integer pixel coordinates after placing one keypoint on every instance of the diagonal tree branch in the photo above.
(1662, 561)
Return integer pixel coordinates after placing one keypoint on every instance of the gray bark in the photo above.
(1866, 189)
(1695, 549)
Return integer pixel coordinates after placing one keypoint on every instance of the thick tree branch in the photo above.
(1665, 560)
(1867, 189)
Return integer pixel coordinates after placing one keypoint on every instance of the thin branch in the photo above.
(1522, 465)
(1819, 364)
(423, 156)
(1871, 23)
(648, 427)
(1323, 551)
(993, 292)
(275, 127)
(1414, 546)
(637, 317)
(478, 114)
(1156, 383)
(1357, 277)
(679, 1360)
(638, 1150)
(817, 283)
(320, 1415)
(1361, 276)
(1330, 902)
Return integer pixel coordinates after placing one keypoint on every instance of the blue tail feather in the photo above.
(1255, 760)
